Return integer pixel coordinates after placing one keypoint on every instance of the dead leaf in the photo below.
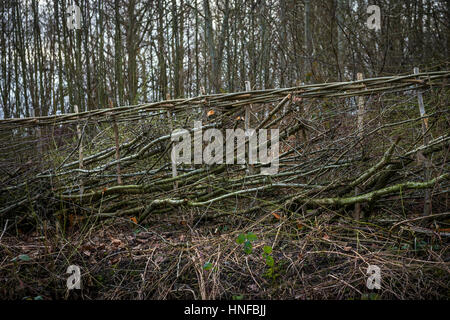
(116, 242)
(326, 237)
(71, 219)
(114, 260)
(277, 216)
(253, 287)
(210, 113)
(297, 99)
(133, 219)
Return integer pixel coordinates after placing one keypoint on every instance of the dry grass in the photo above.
(321, 257)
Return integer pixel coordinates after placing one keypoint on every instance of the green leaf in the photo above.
(240, 239)
(405, 246)
(23, 257)
(374, 296)
(267, 249)
(248, 247)
(239, 297)
(268, 273)
(38, 298)
(251, 236)
(207, 266)
(269, 261)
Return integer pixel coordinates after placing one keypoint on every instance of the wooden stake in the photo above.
(174, 164)
(427, 164)
(204, 111)
(248, 109)
(359, 77)
(38, 135)
(80, 151)
(116, 138)
(204, 122)
(357, 212)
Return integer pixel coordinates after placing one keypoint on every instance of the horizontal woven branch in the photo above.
(241, 99)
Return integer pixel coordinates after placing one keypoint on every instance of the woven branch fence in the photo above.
(356, 147)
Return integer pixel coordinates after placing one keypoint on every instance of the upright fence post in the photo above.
(248, 110)
(357, 212)
(38, 134)
(427, 164)
(80, 151)
(116, 138)
(204, 109)
(204, 122)
(174, 164)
